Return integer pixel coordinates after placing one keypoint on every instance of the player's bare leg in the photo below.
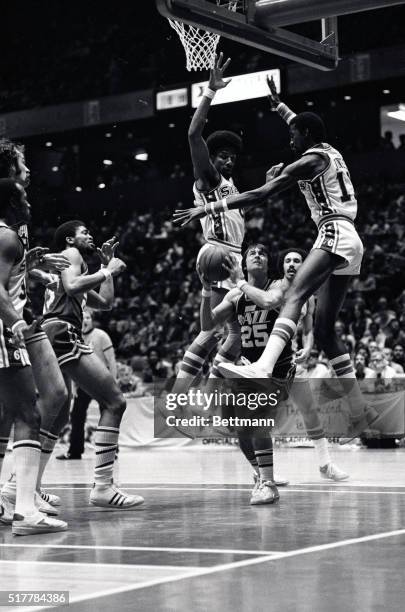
(53, 396)
(330, 300)
(198, 352)
(301, 395)
(26, 453)
(91, 375)
(6, 423)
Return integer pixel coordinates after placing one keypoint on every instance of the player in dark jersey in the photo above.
(336, 256)
(17, 386)
(48, 377)
(253, 308)
(63, 318)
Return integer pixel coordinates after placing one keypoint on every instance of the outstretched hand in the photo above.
(217, 80)
(107, 251)
(232, 265)
(184, 216)
(273, 96)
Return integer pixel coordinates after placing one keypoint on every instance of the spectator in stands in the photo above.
(156, 368)
(395, 335)
(345, 337)
(313, 368)
(360, 322)
(375, 334)
(399, 370)
(384, 315)
(401, 142)
(380, 371)
(360, 367)
(398, 354)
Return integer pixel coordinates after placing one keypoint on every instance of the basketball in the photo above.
(210, 261)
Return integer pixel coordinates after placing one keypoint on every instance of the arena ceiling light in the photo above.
(141, 155)
(107, 162)
(241, 87)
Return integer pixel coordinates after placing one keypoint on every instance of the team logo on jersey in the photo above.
(253, 316)
(227, 190)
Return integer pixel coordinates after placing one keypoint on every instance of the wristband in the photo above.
(17, 324)
(240, 284)
(106, 272)
(206, 292)
(285, 113)
(209, 93)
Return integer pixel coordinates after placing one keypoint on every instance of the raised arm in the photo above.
(305, 168)
(205, 173)
(74, 282)
(276, 104)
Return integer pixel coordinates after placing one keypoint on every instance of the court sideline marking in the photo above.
(231, 566)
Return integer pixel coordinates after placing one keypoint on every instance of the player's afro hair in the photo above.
(282, 255)
(9, 152)
(224, 139)
(66, 230)
(311, 122)
(245, 252)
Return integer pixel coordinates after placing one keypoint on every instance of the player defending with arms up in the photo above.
(63, 318)
(213, 163)
(336, 256)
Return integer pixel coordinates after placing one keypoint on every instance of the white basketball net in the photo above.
(200, 46)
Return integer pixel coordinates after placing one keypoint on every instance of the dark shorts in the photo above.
(66, 340)
(10, 355)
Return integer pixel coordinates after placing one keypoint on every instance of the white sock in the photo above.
(283, 330)
(26, 460)
(3, 449)
(48, 441)
(105, 443)
(321, 447)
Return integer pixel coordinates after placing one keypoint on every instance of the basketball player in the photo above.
(63, 319)
(47, 375)
(17, 386)
(213, 162)
(336, 256)
(256, 302)
(289, 263)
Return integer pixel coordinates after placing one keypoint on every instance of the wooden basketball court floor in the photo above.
(197, 545)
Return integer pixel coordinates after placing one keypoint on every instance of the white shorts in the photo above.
(340, 237)
(224, 284)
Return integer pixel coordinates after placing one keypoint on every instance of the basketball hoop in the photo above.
(200, 46)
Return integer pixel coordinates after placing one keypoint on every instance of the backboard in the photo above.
(257, 23)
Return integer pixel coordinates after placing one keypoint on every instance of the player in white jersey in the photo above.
(213, 163)
(335, 257)
(17, 386)
(48, 378)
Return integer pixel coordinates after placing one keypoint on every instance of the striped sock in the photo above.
(284, 329)
(106, 444)
(26, 455)
(265, 461)
(194, 358)
(3, 449)
(344, 371)
(48, 441)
